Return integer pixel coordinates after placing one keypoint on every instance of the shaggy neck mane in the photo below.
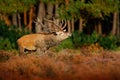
(47, 33)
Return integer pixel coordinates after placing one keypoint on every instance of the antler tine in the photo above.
(63, 22)
(60, 25)
(49, 20)
(64, 25)
(40, 21)
(36, 20)
(54, 22)
(53, 19)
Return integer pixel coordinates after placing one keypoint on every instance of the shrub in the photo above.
(108, 42)
(118, 41)
(79, 38)
(9, 36)
(5, 44)
(65, 44)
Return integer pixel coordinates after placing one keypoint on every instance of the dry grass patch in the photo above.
(65, 65)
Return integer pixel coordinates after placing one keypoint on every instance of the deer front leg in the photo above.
(21, 51)
(41, 51)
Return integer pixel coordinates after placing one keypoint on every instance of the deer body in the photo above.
(40, 42)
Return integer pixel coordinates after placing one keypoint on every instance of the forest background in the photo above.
(91, 53)
(90, 21)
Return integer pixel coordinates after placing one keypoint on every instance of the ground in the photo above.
(65, 65)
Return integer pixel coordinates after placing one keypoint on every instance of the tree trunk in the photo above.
(81, 21)
(48, 26)
(69, 26)
(67, 2)
(99, 27)
(80, 24)
(72, 23)
(14, 19)
(118, 26)
(6, 19)
(95, 27)
(114, 28)
(49, 11)
(25, 17)
(41, 15)
(31, 13)
(19, 21)
(56, 13)
(68, 21)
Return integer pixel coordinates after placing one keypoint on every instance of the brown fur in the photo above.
(39, 42)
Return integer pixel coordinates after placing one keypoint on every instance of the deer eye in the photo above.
(54, 33)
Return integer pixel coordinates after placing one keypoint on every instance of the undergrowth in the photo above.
(9, 36)
(80, 39)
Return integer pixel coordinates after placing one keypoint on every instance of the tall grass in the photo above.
(104, 66)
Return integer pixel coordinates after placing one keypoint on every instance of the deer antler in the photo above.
(48, 20)
(38, 21)
(60, 24)
(63, 23)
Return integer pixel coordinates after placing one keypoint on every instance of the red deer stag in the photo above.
(41, 42)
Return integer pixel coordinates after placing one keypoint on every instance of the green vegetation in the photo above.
(65, 44)
(9, 36)
(14, 6)
(91, 8)
(79, 39)
(108, 42)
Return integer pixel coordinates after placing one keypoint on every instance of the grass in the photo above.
(117, 49)
(65, 65)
